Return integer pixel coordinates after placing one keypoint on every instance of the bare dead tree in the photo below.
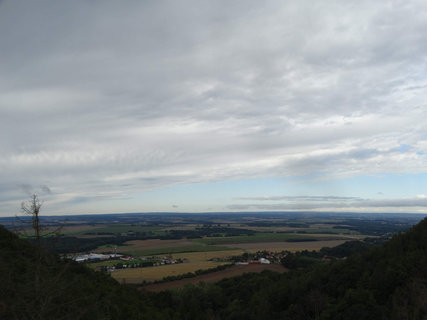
(32, 208)
(47, 283)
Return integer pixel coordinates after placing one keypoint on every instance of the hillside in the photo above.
(38, 285)
(388, 282)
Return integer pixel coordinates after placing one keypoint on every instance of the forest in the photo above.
(380, 282)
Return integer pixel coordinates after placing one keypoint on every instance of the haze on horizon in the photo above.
(196, 106)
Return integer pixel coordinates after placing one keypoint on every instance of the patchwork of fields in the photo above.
(170, 245)
(200, 253)
(137, 275)
(207, 241)
(202, 259)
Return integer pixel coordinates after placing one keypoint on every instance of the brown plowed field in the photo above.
(214, 276)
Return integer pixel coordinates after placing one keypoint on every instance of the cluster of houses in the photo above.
(260, 257)
(260, 261)
(125, 261)
(272, 256)
(160, 261)
(93, 257)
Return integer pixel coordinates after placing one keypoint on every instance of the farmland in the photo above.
(211, 255)
(256, 238)
(137, 275)
(170, 250)
(156, 247)
(207, 240)
(286, 246)
(214, 277)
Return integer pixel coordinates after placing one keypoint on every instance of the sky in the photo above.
(210, 106)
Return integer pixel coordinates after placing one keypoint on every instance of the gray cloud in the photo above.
(27, 189)
(341, 203)
(45, 189)
(301, 198)
(127, 97)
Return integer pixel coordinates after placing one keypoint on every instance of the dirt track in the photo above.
(215, 276)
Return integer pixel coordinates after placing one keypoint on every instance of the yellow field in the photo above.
(289, 246)
(138, 275)
(204, 256)
(200, 260)
(197, 261)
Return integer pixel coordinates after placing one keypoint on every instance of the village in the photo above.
(118, 261)
(112, 262)
(259, 257)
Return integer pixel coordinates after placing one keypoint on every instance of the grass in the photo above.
(103, 263)
(93, 265)
(323, 231)
(123, 228)
(171, 250)
(156, 247)
(257, 237)
(205, 256)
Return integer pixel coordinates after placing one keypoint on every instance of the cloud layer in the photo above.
(333, 203)
(103, 100)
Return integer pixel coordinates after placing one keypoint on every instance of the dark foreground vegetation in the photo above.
(39, 285)
(386, 282)
(305, 258)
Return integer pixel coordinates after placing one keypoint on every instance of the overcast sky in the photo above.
(136, 106)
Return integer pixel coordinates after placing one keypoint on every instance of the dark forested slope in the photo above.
(35, 284)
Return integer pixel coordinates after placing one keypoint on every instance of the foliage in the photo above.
(346, 249)
(38, 285)
(388, 282)
(301, 259)
(373, 227)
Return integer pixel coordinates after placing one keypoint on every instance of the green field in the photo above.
(123, 228)
(169, 250)
(257, 237)
(323, 231)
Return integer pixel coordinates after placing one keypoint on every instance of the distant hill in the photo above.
(387, 282)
